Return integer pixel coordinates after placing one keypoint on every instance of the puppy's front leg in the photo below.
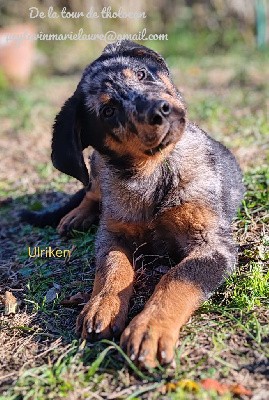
(152, 335)
(105, 314)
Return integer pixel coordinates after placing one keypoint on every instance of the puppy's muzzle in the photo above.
(158, 112)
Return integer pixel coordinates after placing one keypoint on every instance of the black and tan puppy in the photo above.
(158, 183)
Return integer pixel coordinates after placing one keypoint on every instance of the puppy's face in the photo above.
(138, 108)
(125, 106)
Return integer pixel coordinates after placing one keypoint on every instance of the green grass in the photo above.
(229, 330)
(67, 375)
(236, 308)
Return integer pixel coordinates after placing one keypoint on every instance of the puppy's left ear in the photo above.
(70, 138)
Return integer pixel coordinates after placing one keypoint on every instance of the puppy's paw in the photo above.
(103, 317)
(150, 340)
(79, 218)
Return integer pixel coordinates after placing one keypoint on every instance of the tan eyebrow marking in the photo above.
(128, 73)
(167, 83)
(104, 98)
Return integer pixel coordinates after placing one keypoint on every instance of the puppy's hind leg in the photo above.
(53, 215)
(84, 215)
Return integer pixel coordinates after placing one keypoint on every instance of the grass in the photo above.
(227, 339)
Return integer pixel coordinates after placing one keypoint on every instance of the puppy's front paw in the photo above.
(79, 218)
(150, 339)
(103, 317)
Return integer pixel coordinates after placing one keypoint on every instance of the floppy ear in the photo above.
(69, 139)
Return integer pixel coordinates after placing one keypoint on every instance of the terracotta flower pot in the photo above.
(17, 56)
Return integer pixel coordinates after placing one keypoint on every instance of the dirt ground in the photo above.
(227, 339)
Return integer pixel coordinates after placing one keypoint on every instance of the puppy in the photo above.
(158, 183)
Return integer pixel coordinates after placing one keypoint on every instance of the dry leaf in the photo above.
(212, 384)
(10, 302)
(77, 299)
(52, 293)
(185, 384)
(168, 387)
(240, 390)
(188, 385)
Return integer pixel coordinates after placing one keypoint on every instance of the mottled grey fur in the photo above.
(138, 188)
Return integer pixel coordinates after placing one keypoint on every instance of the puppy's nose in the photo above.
(158, 112)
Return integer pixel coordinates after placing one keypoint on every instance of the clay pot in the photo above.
(17, 56)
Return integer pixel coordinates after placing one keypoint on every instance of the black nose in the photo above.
(157, 113)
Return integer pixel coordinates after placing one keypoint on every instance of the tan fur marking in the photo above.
(127, 229)
(189, 218)
(154, 332)
(127, 147)
(167, 83)
(178, 299)
(104, 98)
(174, 101)
(108, 306)
(140, 52)
(150, 164)
(128, 73)
(144, 163)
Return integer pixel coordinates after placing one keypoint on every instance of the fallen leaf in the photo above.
(77, 299)
(10, 302)
(170, 387)
(52, 293)
(240, 390)
(185, 384)
(212, 384)
(188, 385)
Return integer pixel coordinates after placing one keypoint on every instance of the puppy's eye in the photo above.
(141, 74)
(108, 111)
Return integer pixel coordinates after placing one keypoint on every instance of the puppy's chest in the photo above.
(131, 204)
(136, 201)
(156, 212)
(136, 212)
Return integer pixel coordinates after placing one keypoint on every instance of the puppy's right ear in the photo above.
(69, 139)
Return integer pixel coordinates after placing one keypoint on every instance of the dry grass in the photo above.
(228, 337)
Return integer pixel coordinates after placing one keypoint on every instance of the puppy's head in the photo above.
(125, 106)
